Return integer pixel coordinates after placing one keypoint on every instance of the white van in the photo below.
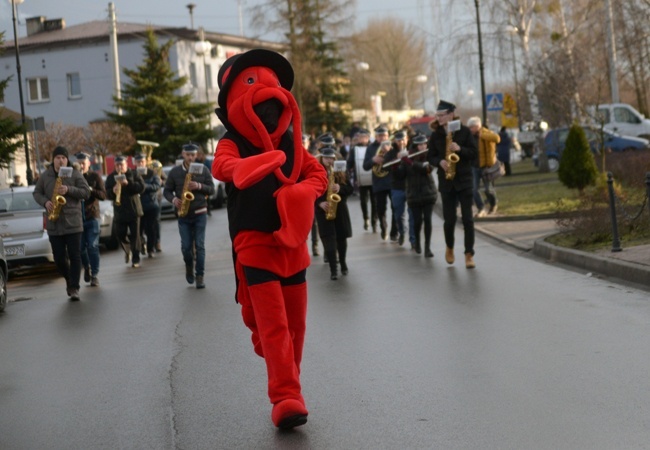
(624, 119)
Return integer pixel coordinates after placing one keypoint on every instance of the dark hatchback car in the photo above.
(555, 141)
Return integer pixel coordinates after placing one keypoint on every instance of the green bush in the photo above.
(577, 166)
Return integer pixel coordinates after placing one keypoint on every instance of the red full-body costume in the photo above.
(272, 185)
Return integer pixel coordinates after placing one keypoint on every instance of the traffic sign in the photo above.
(494, 102)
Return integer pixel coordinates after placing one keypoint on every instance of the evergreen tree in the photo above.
(11, 133)
(154, 110)
(577, 165)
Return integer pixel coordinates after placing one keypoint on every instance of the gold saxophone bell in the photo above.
(451, 157)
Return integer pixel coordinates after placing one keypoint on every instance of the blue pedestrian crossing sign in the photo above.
(494, 102)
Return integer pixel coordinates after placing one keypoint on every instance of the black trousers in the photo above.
(382, 198)
(449, 202)
(422, 214)
(128, 233)
(333, 244)
(150, 228)
(366, 195)
(66, 250)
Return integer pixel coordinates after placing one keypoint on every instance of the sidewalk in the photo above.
(631, 264)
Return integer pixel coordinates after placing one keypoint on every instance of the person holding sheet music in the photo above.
(195, 178)
(334, 233)
(65, 226)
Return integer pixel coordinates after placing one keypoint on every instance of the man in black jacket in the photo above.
(90, 236)
(150, 206)
(459, 189)
(192, 225)
(127, 207)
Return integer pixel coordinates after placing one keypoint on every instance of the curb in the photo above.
(622, 270)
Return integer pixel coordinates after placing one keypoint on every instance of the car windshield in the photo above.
(17, 201)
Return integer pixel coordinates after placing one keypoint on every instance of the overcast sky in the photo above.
(434, 20)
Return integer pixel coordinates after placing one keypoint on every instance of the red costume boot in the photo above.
(277, 344)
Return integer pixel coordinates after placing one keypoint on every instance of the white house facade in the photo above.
(67, 73)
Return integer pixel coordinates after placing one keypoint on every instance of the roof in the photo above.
(99, 30)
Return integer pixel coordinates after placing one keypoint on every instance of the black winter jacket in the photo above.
(468, 153)
(176, 181)
(127, 211)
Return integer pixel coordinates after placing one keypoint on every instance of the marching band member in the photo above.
(334, 232)
(421, 192)
(443, 144)
(363, 179)
(192, 222)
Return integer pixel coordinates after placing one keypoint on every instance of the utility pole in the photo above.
(191, 7)
(481, 65)
(117, 86)
(611, 53)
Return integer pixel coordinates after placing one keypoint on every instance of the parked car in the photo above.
(107, 234)
(555, 141)
(22, 228)
(4, 275)
(623, 118)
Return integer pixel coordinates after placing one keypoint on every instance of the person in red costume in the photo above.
(272, 184)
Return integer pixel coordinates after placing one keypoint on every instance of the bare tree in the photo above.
(397, 55)
(107, 138)
(59, 134)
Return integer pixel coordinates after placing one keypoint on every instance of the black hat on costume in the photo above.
(328, 152)
(234, 65)
(190, 148)
(119, 159)
(399, 136)
(446, 106)
(60, 151)
(419, 139)
(326, 139)
(381, 129)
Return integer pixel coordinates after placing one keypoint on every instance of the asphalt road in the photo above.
(402, 353)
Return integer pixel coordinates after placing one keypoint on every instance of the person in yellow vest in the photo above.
(487, 141)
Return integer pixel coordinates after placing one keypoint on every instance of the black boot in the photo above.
(189, 273)
(427, 249)
(344, 268)
(418, 247)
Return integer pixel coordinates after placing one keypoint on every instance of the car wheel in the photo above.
(218, 202)
(553, 164)
(3, 291)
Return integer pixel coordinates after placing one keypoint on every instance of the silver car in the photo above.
(22, 228)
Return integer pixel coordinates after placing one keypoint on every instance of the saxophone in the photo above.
(186, 197)
(57, 200)
(333, 199)
(451, 157)
(118, 194)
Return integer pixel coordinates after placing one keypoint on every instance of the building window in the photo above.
(39, 90)
(74, 85)
(193, 75)
(208, 75)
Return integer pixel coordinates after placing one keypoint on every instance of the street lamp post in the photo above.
(422, 79)
(480, 61)
(30, 176)
(363, 68)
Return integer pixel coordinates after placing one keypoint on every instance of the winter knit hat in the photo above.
(60, 151)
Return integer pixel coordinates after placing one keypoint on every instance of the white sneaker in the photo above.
(481, 213)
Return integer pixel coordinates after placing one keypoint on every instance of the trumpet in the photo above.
(57, 200)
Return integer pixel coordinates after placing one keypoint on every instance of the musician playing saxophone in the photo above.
(126, 184)
(334, 233)
(459, 188)
(181, 181)
(65, 232)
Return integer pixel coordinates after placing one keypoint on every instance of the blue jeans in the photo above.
(90, 246)
(398, 197)
(192, 231)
